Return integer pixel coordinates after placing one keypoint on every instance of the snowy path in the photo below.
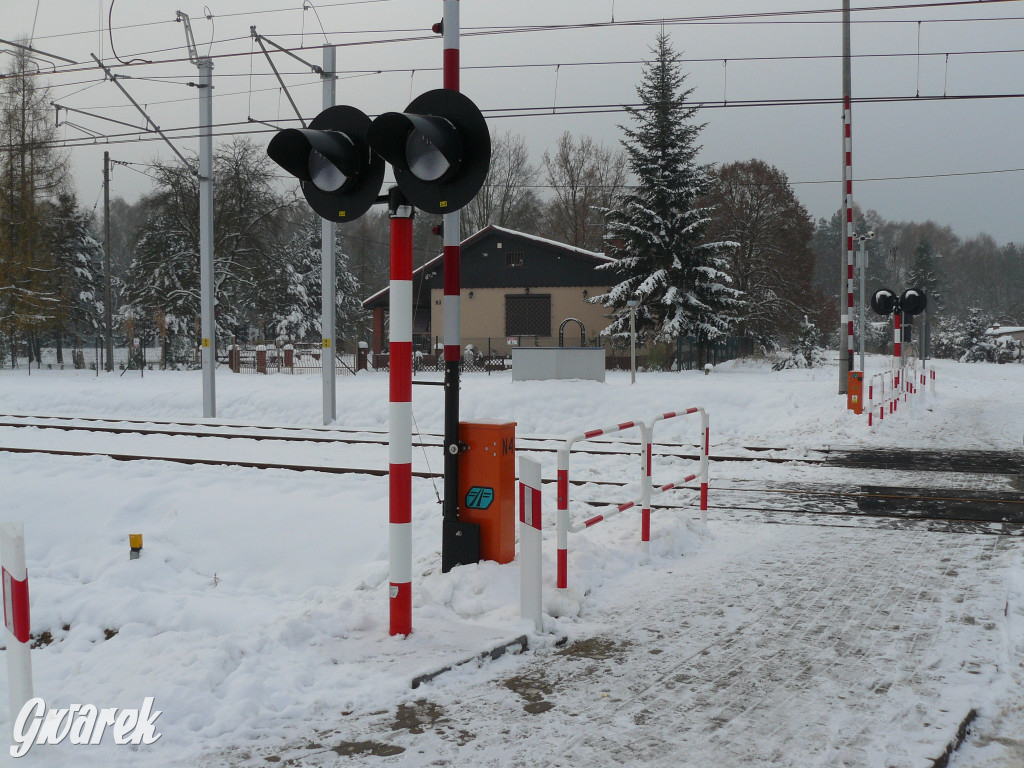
(803, 646)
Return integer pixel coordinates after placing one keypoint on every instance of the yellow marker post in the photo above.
(135, 542)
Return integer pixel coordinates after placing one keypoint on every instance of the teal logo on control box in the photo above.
(479, 497)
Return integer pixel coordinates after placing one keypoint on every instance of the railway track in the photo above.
(534, 444)
(954, 510)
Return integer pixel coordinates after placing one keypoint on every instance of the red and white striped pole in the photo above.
(848, 146)
(530, 564)
(897, 349)
(562, 540)
(705, 428)
(16, 616)
(646, 438)
(451, 309)
(400, 415)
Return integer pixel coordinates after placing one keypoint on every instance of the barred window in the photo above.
(528, 315)
(514, 260)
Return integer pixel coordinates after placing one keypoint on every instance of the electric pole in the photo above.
(107, 299)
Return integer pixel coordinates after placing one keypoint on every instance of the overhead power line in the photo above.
(757, 17)
(191, 131)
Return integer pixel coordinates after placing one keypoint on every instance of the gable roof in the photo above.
(426, 271)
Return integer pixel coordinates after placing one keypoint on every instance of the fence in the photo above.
(269, 357)
(28, 359)
(564, 524)
(492, 354)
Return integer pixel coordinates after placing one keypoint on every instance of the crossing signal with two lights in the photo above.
(913, 301)
(439, 148)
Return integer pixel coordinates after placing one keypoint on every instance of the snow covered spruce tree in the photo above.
(657, 231)
(297, 316)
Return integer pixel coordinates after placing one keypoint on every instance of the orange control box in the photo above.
(855, 392)
(487, 480)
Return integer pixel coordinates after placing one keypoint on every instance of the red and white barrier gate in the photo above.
(565, 526)
(16, 616)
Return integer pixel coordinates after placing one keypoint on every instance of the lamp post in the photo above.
(632, 304)
(863, 262)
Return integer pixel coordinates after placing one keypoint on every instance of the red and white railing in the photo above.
(648, 489)
(564, 524)
(887, 388)
(564, 527)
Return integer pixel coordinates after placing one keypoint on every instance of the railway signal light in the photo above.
(340, 175)
(884, 302)
(913, 301)
(439, 147)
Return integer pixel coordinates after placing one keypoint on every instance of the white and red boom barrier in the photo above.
(16, 616)
(530, 568)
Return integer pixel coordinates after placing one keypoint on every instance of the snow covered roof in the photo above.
(492, 228)
(1005, 330)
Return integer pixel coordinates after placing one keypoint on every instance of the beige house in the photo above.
(517, 289)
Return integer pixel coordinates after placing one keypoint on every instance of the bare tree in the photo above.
(773, 262)
(585, 179)
(508, 197)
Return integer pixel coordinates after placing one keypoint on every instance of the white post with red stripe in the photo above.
(646, 440)
(400, 417)
(16, 616)
(530, 565)
(897, 347)
(705, 427)
(931, 376)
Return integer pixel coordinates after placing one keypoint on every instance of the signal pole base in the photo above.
(460, 544)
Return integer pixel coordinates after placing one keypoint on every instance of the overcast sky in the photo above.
(599, 66)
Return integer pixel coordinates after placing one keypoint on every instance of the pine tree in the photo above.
(923, 273)
(978, 345)
(657, 231)
(162, 278)
(297, 315)
(74, 275)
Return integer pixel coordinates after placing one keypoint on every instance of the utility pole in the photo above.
(107, 298)
(207, 295)
(846, 280)
(328, 278)
(207, 300)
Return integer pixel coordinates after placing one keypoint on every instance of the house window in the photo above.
(528, 315)
(514, 260)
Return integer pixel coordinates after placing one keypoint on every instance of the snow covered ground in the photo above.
(257, 614)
